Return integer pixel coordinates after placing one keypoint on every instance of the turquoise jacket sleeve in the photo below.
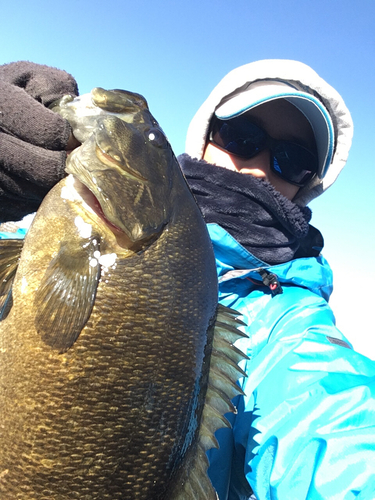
(306, 427)
(314, 406)
(19, 234)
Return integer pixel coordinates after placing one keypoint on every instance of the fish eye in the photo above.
(156, 137)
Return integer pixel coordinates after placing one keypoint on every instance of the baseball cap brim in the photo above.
(260, 92)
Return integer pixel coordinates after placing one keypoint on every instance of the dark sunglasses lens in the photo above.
(294, 163)
(239, 136)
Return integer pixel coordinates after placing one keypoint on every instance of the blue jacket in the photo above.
(306, 426)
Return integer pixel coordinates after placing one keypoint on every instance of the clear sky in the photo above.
(174, 52)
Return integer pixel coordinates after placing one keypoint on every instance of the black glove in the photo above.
(33, 139)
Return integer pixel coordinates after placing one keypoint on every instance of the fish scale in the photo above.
(106, 389)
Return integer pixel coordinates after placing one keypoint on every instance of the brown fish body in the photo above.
(105, 352)
(102, 419)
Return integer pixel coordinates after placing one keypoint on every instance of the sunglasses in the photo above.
(289, 160)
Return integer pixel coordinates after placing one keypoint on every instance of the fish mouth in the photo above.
(123, 239)
(92, 201)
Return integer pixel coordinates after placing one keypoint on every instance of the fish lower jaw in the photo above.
(76, 191)
(92, 202)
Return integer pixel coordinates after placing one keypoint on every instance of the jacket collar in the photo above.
(233, 261)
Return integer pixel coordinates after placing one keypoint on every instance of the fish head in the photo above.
(127, 166)
(83, 112)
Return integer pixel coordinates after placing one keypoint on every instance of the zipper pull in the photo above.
(271, 281)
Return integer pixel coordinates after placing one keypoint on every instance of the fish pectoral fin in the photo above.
(10, 252)
(66, 295)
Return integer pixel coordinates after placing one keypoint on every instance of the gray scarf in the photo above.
(271, 227)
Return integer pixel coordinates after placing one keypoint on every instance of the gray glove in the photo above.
(33, 139)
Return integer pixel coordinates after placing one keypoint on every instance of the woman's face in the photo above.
(281, 120)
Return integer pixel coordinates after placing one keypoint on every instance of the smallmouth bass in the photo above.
(116, 364)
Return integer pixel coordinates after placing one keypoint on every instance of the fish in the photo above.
(117, 365)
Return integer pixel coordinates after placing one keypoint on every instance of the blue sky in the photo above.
(175, 52)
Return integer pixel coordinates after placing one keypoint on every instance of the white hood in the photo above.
(303, 78)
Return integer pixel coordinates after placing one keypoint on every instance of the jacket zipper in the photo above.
(270, 280)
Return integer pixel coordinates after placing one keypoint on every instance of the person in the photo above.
(271, 137)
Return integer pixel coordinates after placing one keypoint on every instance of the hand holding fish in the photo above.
(33, 140)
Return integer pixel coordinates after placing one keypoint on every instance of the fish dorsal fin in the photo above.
(10, 251)
(194, 484)
(66, 295)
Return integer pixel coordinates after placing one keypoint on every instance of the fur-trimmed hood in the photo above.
(303, 78)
